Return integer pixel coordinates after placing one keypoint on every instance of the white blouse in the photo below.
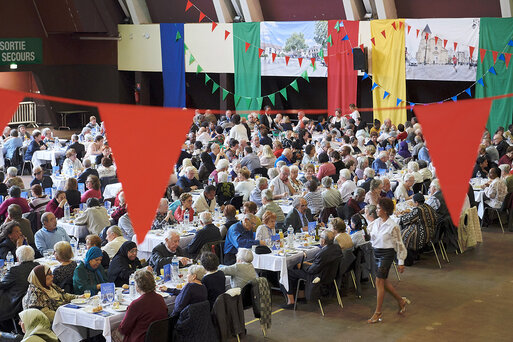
(387, 235)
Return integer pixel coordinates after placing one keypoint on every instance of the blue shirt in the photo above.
(424, 154)
(11, 145)
(238, 237)
(46, 239)
(282, 158)
(378, 164)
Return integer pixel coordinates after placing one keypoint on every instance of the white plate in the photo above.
(88, 309)
(79, 301)
(121, 308)
(163, 294)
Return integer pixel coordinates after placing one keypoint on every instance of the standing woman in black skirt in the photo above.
(386, 241)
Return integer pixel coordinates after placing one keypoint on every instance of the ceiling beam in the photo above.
(386, 9)
(252, 10)
(354, 9)
(506, 8)
(224, 10)
(139, 11)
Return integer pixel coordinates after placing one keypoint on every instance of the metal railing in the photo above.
(25, 114)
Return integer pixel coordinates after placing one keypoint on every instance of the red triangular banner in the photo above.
(274, 56)
(214, 25)
(247, 46)
(373, 41)
(144, 193)
(226, 34)
(427, 36)
(326, 60)
(436, 40)
(445, 43)
(260, 51)
(455, 46)
(409, 28)
(471, 50)
(300, 60)
(362, 48)
(400, 25)
(10, 100)
(482, 54)
(418, 33)
(201, 16)
(494, 54)
(287, 60)
(384, 34)
(474, 114)
(313, 61)
(393, 25)
(507, 57)
(189, 5)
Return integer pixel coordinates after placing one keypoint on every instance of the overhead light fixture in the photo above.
(13, 66)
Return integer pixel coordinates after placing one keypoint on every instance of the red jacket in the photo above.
(14, 200)
(53, 207)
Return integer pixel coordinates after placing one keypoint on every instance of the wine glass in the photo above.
(87, 294)
(110, 297)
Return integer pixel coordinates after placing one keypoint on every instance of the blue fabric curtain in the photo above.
(173, 65)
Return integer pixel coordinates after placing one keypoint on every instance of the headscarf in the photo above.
(121, 263)
(37, 324)
(403, 150)
(126, 247)
(37, 277)
(93, 253)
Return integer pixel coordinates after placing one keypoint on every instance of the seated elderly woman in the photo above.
(73, 196)
(193, 292)
(94, 240)
(267, 159)
(342, 238)
(56, 205)
(331, 198)
(374, 194)
(268, 228)
(11, 238)
(143, 311)
(63, 274)
(413, 168)
(39, 201)
(214, 280)
(40, 178)
(309, 170)
(313, 197)
(189, 181)
(361, 165)
(185, 206)
(296, 184)
(72, 162)
(164, 216)
(36, 326)
(327, 168)
(269, 205)
(93, 186)
(243, 271)
(225, 190)
(245, 184)
(354, 205)
(494, 192)
(345, 185)
(358, 232)
(417, 228)
(89, 273)
(14, 198)
(13, 178)
(107, 168)
(43, 294)
(95, 217)
(221, 166)
(124, 263)
(404, 190)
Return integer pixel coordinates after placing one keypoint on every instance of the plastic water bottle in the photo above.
(70, 170)
(229, 180)
(10, 260)
(186, 217)
(131, 285)
(210, 180)
(174, 269)
(66, 211)
(73, 242)
(107, 205)
(290, 236)
(216, 213)
(330, 219)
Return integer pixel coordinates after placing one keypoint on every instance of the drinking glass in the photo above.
(87, 294)
(110, 297)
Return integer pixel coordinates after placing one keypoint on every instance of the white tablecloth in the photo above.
(71, 325)
(276, 263)
(111, 190)
(152, 240)
(73, 230)
(42, 156)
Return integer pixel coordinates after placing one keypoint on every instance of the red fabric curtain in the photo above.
(342, 79)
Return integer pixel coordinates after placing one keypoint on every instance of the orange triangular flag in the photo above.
(393, 25)
(313, 61)
(326, 60)
(494, 54)
(507, 57)
(471, 50)
(373, 41)
(287, 60)
(214, 25)
(362, 48)
(274, 56)
(409, 28)
(473, 114)
(260, 51)
(400, 25)
(418, 33)
(445, 43)
(226, 34)
(247, 46)
(482, 54)
(201, 16)
(10, 100)
(436, 40)
(384, 34)
(143, 194)
(427, 36)
(300, 60)
(455, 46)
(189, 5)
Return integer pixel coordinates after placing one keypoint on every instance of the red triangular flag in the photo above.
(427, 36)
(189, 5)
(373, 41)
(418, 33)
(143, 194)
(362, 48)
(214, 25)
(409, 28)
(260, 51)
(300, 60)
(326, 60)
(393, 25)
(482, 54)
(247, 46)
(471, 49)
(436, 40)
(494, 54)
(507, 57)
(473, 114)
(201, 16)
(10, 100)
(287, 60)
(226, 34)
(455, 46)
(313, 61)
(445, 43)
(274, 56)
(384, 34)
(400, 25)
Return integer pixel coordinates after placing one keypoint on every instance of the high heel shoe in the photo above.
(402, 308)
(376, 317)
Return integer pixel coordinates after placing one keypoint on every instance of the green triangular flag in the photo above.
(321, 53)
(185, 47)
(236, 99)
(259, 101)
(294, 85)
(305, 76)
(215, 86)
(272, 98)
(178, 35)
(283, 93)
(225, 93)
(207, 78)
(330, 40)
(199, 69)
(248, 101)
(337, 26)
(314, 67)
(191, 59)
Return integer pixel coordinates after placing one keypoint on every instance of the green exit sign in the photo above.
(21, 51)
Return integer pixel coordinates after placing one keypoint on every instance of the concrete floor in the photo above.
(469, 299)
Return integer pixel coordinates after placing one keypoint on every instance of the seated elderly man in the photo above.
(240, 235)
(317, 267)
(126, 226)
(256, 194)
(209, 233)
(345, 185)
(354, 205)
(437, 202)
(494, 193)
(88, 171)
(49, 234)
(250, 160)
(404, 190)
(206, 201)
(368, 176)
(387, 188)
(299, 217)
(413, 168)
(14, 213)
(188, 181)
(380, 163)
(286, 156)
(164, 252)
(40, 178)
(12, 144)
(164, 215)
(281, 185)
(115, 239)
(269, 205)
(13, 178)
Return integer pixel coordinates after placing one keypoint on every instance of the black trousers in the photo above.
(229, 259)
(294, 276)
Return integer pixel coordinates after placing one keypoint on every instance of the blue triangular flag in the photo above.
(412, 104)
(454, 98)
(492, 70)
(365, 75)
(468, 92)
(374, 85)
(480, 81)
(398, 101)
(502, 57)
(345, 37)
(341, 23)
(386, 94)
(510, 43)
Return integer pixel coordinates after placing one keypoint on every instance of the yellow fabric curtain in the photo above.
(388, 69)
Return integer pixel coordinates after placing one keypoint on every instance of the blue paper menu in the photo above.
(48, 192)
(81, 187)
(55, 170)
(275, 237)
(106, 289)
(311, 227)
(167, 272)
(24, 194)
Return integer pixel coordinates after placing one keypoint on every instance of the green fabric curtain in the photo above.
(247, 64)
(494, 34)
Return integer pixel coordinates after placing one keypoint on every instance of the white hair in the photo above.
(272, 173)
(170, 234)
(435, 184)
(360, 161)
(222, 177)
(12, 171)
(206, 217)
(413, 166)
(284, 168)
(260, 181)
(222, 164)
(25, 253)
(115, 230)
(382, 154)
(190, 169)
(327, 181)
(345, 173)
(267, 194)
(245, 255)
(294, 167)
(408, 176)
(505, 168)
(369, 172)
(197, 270)
(164, 200)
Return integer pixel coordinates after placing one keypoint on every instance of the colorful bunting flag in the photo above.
(398, 102)
(313, 62)
(248, 101)
(365, 75)
(191, 59)
(305, 76)
(287, 58)
(373, 41)
(259, 101)
(492, 70)
(260, 51)
(436, 40)
(445, 43)
(418, 33)
(386, 94)
(341, 24)
(225, 93)
(480, 81)
(508, 57)
(247, 46)
(185, 47)
(300, 60)
(178, 35)
(201, 16)
(236, 99)
(471, 50)
(454, 98)
(494, 54)
(326, 60)
(215, 86)
(502, 58)
(412, 104)
(330, 40)
(189, 5)
(468, 92)
(199, 69)
(214, 25)
(400, 25)
(273, 56)
(346, 37)
(409, 28)
(374, 85)
(272, 98)
(337, 26)
(510, 43)
(321, 53)
(393, 25)
(207, 78)
(226, 34)
(384, 34)
(427, 36)
(362, 48)
(482, 54)
(294, 85)
(455, 46)
(283, 93)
